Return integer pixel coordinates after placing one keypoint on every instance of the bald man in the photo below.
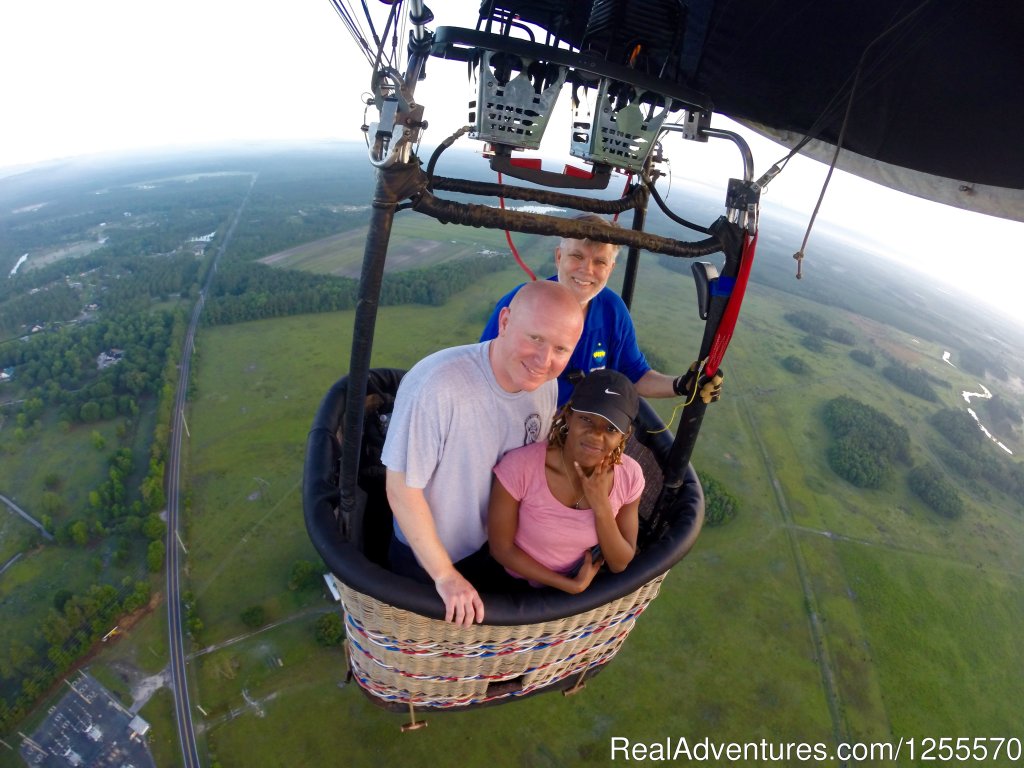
(456, 414)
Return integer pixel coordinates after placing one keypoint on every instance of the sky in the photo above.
(111, 75)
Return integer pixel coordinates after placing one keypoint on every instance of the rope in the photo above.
(508, 237)
(799, 255)
(680, 406)
(819, 123)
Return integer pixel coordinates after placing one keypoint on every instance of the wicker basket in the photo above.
(460, 666)
(400, 651)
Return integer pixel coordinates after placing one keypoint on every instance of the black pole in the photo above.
(731, 236)
(449, 211)
(385, 202)
(633, 258)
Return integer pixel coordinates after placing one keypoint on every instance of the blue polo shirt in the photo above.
(608, 340)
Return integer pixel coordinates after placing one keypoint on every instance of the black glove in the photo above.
(710, 388)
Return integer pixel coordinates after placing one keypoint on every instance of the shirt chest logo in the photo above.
(532, 425)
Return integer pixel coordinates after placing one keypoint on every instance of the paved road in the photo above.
(178, 669)
(11, 562)
(28, 518)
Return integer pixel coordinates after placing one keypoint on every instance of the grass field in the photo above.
(16, 535)
(821, 612)
(730, 649)
(71, 456)
(29, 585)
(420, 242)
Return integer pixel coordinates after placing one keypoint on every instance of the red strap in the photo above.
(508, 237)
(732, 310)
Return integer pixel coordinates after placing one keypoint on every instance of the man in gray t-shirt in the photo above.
(456, 414)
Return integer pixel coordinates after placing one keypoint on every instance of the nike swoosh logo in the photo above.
(609, 392)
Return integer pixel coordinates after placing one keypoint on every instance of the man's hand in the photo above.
(710, 389)
(462, 602)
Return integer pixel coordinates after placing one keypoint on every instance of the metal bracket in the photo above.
(695, 125)
(743, 202)
(503, 162)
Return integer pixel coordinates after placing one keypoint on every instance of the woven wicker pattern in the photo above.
(403, 657)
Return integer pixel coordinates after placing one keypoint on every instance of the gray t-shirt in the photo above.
(451, 424)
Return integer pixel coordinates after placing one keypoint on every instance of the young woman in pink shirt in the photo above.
(561, 509)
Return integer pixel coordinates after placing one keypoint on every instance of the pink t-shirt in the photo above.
(554, 535)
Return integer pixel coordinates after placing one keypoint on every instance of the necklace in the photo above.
(572, 482)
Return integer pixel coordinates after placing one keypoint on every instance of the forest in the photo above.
(50, 297)
(720, 506)
(865, 442)
(74, 623)
(963, 452)
(817, 329)
(60, 370)
(912, 380)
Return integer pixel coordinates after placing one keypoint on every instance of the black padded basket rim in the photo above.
(347, 562)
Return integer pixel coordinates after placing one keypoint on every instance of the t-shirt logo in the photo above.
(532, 429)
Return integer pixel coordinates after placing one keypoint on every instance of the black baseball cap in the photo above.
(609, 394)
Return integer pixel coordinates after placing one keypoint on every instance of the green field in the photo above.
(28, 587)
(420, 242)
(70, 455)
(729, 651)
(822, 613)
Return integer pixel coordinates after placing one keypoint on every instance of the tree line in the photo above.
(964, 453)
(245, 291)
(912, 380)
(816, 326)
